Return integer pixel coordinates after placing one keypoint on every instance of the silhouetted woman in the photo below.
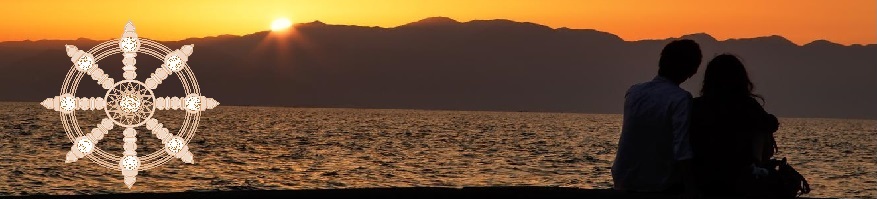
(730, 131)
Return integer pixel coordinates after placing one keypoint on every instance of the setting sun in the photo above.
(280, 24)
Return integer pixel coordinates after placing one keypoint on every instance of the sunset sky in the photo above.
(845, 22)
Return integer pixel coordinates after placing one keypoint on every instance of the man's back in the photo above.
(653, 137)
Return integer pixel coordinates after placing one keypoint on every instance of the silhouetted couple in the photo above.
(709, 145)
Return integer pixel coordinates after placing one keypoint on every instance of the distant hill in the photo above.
(440, 63)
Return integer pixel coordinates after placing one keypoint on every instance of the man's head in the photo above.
(679, 60)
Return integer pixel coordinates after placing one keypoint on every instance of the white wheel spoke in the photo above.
(156, 78)
(85, 62)
(67, 103)
(192, 103)
(129, 44)
(86, 144)
(173, 145)
(130, 163)
(174, 61)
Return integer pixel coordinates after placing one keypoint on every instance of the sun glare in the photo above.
(280, 24)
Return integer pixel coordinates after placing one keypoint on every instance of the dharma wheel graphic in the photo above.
(129, 103)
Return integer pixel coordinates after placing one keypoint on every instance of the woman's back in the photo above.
(723, 130)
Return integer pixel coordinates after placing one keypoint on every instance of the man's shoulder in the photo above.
(649, 85)
(638, 85)
(666, 90)
(635, 88)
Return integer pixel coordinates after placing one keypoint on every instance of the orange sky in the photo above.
(845, 21)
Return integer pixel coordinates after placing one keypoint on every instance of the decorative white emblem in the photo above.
(129, 103)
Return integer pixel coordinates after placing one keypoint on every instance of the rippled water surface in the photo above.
(299, 148)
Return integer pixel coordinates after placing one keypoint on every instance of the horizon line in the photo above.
(466, 110)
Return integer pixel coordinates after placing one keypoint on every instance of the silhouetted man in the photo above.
(653, 151)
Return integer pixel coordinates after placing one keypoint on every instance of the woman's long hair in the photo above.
(726, 76)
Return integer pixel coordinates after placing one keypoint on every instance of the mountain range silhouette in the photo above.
(440, 63)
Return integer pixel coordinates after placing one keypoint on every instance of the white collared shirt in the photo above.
(654, 136)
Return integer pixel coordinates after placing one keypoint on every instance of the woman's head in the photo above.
(726, 76)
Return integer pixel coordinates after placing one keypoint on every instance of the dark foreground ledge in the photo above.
(382, 193)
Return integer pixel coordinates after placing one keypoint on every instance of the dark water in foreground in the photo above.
(243, 148)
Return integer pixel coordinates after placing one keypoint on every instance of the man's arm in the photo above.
(681, 146)
(681, 121)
